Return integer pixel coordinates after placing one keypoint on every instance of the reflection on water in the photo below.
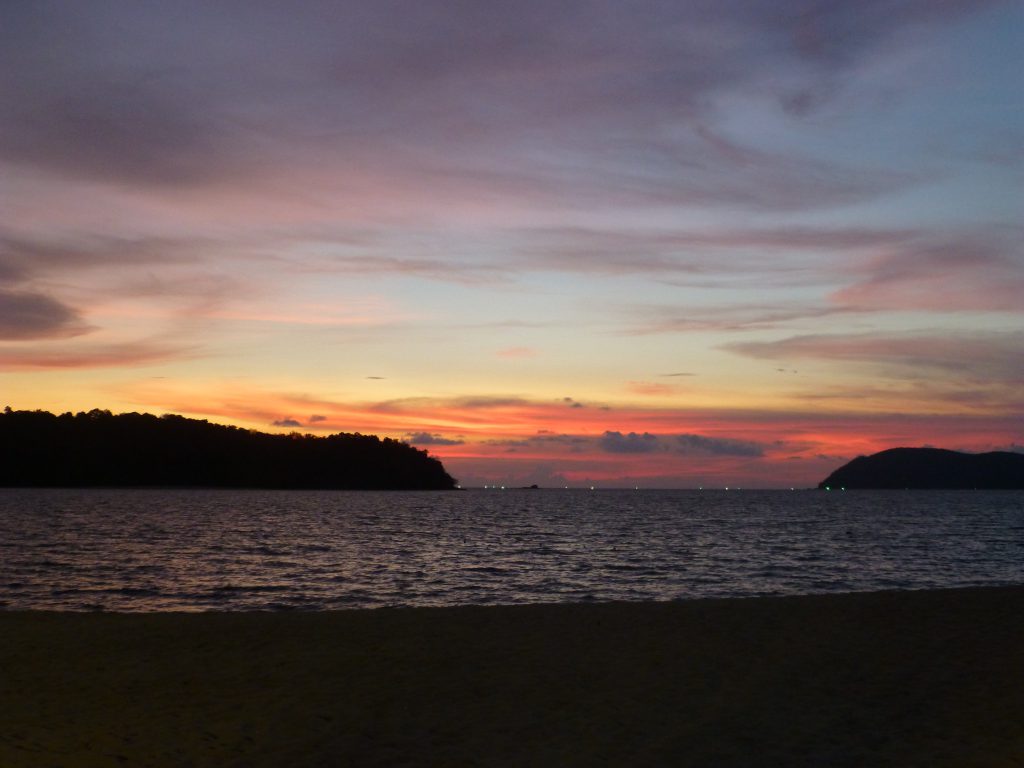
(234, 550)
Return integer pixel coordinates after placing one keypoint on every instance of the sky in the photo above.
(660, 244)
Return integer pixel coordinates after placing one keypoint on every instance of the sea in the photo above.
(202, 550)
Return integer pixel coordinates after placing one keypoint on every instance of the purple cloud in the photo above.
(992, 356)
(718, 446)
(128, 354)
(426, 438)
(522, 97)
(979, 271)
(616, 442)
(25, 315)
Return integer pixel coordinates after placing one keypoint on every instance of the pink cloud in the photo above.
(986, 356)
(979, 273)
(126, 355)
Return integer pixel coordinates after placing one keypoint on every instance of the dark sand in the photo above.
(887, 679)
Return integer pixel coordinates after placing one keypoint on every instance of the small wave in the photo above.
(487, 570)
(252, 588)
(135, 591)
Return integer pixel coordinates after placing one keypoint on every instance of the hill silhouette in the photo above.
(98, 448)
(936, 468)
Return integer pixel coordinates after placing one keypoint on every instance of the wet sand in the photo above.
(932, 678)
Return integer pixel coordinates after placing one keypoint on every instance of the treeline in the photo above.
(98, 448)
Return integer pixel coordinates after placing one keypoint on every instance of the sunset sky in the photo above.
(665, 244)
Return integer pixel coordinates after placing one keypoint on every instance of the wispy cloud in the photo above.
(426, 438)
(973, 355)
(422, 83)
(26, 315)
(652, 319)
(26, 256)
(965, 272)
(695, 252)
(113, 355)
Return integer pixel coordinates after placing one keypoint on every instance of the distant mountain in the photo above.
(930, 468)
(98, 448)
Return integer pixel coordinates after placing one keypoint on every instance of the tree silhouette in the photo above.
(98, 448)
(930, 468)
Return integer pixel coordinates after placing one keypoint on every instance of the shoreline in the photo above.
(922, 677)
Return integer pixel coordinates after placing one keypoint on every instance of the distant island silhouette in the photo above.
(98, 448)
(936, 468)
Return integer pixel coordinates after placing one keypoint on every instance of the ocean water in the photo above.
(193, 550)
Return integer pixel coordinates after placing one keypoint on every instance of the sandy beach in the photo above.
(933, 678)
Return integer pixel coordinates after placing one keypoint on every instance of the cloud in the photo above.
(115, 274)
(315, 418)
(24, 256)
(485, 402)
(426, 438)
(286, 423)
(445, 270)
(544, 440)
(719, 446)
(123, 355)
(616, 442)
(27, 315)
(534, 101)
(117, 132)
(706, 253)
(980, 271)
(653, 319)
(832, 32)
(972, 355)
(896, 270)
(84, 113)
(686, 444)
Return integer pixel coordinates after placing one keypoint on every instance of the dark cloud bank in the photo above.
(632, 442)
(194, 93)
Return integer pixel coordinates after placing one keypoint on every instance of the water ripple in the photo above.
(148, 550)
